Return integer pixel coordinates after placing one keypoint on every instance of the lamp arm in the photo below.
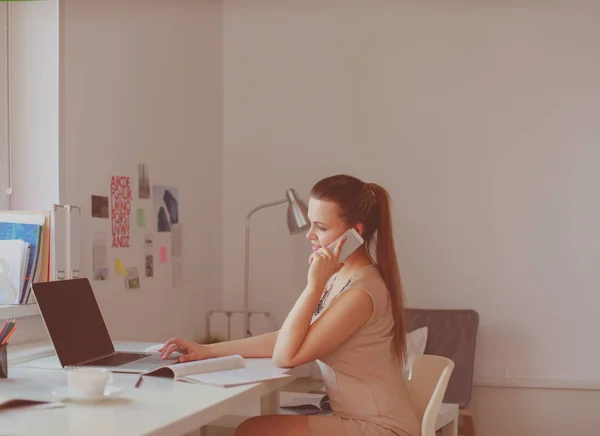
(263, 206)
(247, 262)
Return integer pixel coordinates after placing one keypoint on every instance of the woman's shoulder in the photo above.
(369, 274)
(369, 280)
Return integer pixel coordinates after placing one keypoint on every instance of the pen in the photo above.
(9, 327)
(139, 382)
(5, 340)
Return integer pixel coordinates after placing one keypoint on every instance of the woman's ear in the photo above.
(360, 228)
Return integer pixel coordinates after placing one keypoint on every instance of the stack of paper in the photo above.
(24, 250)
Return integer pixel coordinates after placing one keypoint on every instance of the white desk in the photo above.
(159, 407)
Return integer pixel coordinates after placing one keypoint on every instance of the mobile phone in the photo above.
(353, 241)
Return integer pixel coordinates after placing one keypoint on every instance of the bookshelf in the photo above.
(18, 310)
(58, 246)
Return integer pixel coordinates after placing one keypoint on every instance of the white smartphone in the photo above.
(353, 241)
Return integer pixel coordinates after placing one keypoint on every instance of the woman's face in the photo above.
(326, 224)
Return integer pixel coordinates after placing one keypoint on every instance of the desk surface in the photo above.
(159, 407)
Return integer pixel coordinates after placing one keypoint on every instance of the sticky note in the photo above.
(163, 254)
(141, 218)
(120, 267)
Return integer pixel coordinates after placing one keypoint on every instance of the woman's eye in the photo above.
(321, 228)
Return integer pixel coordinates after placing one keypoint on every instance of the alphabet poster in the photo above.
(120, 202)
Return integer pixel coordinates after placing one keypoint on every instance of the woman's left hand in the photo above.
(323, 264)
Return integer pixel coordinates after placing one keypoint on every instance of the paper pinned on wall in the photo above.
(99, 256)
(163, 254)
(132, 281)
(166, 207)
(143, 181)
(99, 206)
(149, 256)
(120, 201)
(120, 267)
(177, 254)
(140, 218)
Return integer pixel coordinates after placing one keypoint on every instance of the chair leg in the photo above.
(468, 423)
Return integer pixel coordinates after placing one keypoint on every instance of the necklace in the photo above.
(326, 294)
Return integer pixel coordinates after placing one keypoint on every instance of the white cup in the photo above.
(88, 382)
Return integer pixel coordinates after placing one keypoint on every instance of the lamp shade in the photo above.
(297, 213)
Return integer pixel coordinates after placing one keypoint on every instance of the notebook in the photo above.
(222, 371)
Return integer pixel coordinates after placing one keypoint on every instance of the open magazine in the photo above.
(222, 371)
(306, 405)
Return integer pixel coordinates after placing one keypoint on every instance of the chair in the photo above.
(427, 383)
(452, 334)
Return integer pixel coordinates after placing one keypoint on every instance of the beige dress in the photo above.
(363, 378)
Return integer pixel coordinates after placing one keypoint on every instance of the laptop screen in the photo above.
(73, 320)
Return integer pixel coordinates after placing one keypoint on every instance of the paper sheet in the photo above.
(120, 267)
(99, 257)
(120, 199)
(149, 256)
(132, 280)
(163, 254)
(166, 207)
(177, 254)
(140, 218)
(143, 181)
(99, 206)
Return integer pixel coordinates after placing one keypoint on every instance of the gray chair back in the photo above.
(452, 334)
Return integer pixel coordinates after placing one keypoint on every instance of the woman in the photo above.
(350, 318)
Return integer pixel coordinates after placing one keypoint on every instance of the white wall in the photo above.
(35, 105)
(34, 87)
(142, 84)
(481, 120)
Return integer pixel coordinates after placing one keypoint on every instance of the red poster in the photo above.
(120, 206)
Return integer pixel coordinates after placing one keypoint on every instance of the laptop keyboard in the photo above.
(117, 359)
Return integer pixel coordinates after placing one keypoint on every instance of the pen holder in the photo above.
(3, 361)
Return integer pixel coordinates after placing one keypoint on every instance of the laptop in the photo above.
(78, 332)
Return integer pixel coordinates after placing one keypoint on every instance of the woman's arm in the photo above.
(299, 342)
(256, 346)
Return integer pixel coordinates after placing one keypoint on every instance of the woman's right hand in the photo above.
(190, 350)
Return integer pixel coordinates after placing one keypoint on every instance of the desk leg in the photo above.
(269, 404)
(450, 429)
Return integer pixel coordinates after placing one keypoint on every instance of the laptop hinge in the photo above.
(95, 358)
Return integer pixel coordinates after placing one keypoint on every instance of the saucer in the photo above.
(109, 392)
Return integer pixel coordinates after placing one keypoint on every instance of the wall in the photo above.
(481, 120)
(34, 80)
(142, 84)
(34, 98)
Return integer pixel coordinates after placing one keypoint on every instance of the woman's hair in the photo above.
(369, 204)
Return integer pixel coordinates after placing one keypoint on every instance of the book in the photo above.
(222, 371)
(39, 217)
(14, 257)
(29, 228)
(307, 405)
